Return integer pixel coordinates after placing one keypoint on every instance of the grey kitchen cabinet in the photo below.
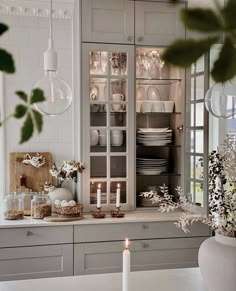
(108, 21)
(36, 262)
(105, 257)
(36, 252)
(157, 23)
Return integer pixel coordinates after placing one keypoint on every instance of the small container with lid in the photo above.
(13, 207)
(27, 197)
(40, 206)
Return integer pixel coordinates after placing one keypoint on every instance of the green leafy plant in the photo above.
(212, 24)
(33, 120)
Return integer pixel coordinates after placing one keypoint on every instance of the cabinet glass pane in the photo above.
(118, 118)
(114, 186)
(98, 115)
(98, 167)
(199, 141)
(199, 194)
(192, 166)
(98, 62)
(118, 166)
(118, 63)
(118, 90)
(192, 89)
(200, 87)
(118, 140)
(93, 192)
(199, 168)
(98, 140)
(98, 89)
(192, 115)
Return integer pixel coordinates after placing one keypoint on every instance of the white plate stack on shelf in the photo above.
(154, 136)
(151, 166)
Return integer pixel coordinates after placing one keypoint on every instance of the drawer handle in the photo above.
(145, 246)
(29, 233)
(140, 38)
(130, 38)
(144, 226)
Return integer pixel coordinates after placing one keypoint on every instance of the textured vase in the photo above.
(217, 262)
(60, 194)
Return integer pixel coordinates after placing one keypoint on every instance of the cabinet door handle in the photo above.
(130, 38)
(144, 226)
(180, 128)
(140, 38)
(145, 245)
(29, 233)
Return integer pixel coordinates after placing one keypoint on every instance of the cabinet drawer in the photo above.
(36, 262)
(119, 231)
(30, 236)
(94, 258)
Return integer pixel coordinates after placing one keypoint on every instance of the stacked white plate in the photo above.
(148, 166)
(154, 136)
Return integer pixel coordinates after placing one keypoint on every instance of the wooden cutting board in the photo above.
(35, 177)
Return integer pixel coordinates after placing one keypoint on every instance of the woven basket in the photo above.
(76, 210)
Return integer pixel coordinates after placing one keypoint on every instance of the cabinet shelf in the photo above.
(160, 146)
(161, 175)
(156, 113)
(155, 81)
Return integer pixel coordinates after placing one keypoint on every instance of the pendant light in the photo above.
(57, 92)
(220, 100)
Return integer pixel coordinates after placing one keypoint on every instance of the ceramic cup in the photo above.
(169, 106)
(147, 106)
(118, 97)
(117, 137)
(102, 137)
(158, 106)
(139, 106)
(94, 137)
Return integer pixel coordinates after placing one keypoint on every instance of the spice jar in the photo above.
(26, 198)
(13, 207)
(40, 206)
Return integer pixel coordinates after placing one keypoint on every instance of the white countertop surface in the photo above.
(135, 216)
(162, 280)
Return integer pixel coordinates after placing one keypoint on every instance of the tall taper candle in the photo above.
(118, 196)
(126, 266)
(99, 196)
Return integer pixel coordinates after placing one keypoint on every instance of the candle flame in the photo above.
(118, 185)
(126, 243)
(99, 186)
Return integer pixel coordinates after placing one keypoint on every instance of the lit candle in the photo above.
(118, 195)
(126, 266)
(99, 196)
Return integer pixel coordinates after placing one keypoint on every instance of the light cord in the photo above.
(50, 25)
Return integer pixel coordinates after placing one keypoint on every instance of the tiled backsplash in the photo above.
(27, 39)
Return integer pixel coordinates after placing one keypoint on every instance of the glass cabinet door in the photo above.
(108, 124)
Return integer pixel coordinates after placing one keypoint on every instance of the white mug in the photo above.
(103, 137)
(158, 106)
(94, 137)
(147, 106)
(118, 97)
(117, 140)
(169, 106)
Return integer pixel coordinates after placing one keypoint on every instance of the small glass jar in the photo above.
(13, 207)
(40, 206)
(27, 197)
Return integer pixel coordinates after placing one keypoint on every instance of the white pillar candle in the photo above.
(118, 195)
(126, 266)
(99, 196)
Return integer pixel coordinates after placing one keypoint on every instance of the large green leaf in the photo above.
(27, 129)
(225, 67)
(6, 62)
(22, 95)
(183, 53)
(202, 20)
(37, 95)
(3, 28)
(38, 118)
(229, 13)
(20, 111)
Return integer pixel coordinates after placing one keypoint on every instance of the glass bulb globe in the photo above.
(220, 100)
(57, 93)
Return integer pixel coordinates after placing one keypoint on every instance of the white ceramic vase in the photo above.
(60, 194)
(217, 262)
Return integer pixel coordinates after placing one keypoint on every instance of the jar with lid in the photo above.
(13, 207)
(40, 206)
(26, 198)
